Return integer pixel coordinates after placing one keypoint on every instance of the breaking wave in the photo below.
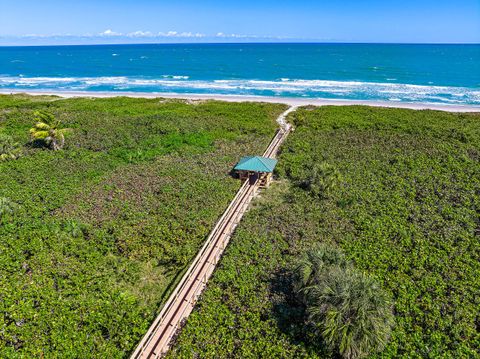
(284, 87)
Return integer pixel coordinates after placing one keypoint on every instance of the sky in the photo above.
(43, 22)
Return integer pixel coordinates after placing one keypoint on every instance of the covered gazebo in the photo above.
(256, 168)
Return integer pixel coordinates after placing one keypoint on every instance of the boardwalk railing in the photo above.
(180, 304)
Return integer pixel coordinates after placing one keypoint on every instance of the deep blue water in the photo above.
(387, 72)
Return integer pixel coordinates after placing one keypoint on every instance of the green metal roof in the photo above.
(256, 164)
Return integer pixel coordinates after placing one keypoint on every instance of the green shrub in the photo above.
(9, 149)
(7, 206)
(323, 179)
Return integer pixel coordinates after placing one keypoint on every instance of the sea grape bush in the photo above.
(91, 237)
(405, 212)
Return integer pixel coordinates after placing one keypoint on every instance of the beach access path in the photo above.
(181, 302)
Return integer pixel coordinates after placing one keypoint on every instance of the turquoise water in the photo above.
(448, 74)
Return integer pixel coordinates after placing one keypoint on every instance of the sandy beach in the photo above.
(292, 101)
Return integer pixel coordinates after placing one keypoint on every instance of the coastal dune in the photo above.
(291, 101)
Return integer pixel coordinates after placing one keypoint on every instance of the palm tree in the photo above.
(9, 149)
(323, 179)
(351, 312)
(316, 263)
(47, 128)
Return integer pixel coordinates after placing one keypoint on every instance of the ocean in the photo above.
(438, 74)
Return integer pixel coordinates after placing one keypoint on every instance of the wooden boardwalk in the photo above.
(156, 341)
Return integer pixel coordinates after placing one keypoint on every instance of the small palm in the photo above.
(348, 309)
(323, 179)
(316, 263)
(48, 129)
(9, 149)
(352, 313)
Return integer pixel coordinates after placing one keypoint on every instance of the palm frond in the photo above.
(9, 149)
(40, 135)
(42, 126)
(353, 313)
(349, 310)
(43, 116)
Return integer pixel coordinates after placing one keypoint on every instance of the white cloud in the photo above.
(239, 36)
(140, 34)
(181, 34)
(35, 35)
(171, 34)
(110, 33)
(42, 36)
(150, 36)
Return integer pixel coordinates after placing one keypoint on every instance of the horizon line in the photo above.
(253, 43)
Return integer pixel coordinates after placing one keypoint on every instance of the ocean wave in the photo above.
(282, 87)
(176, 77)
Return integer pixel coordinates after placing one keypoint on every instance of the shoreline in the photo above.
(291, 101)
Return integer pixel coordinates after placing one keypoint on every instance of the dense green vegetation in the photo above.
(93, 236)
(405, 211)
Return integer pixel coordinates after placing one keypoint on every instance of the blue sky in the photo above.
(127, 21)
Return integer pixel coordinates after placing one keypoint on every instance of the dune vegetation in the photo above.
(398, 193)
(94, 234)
